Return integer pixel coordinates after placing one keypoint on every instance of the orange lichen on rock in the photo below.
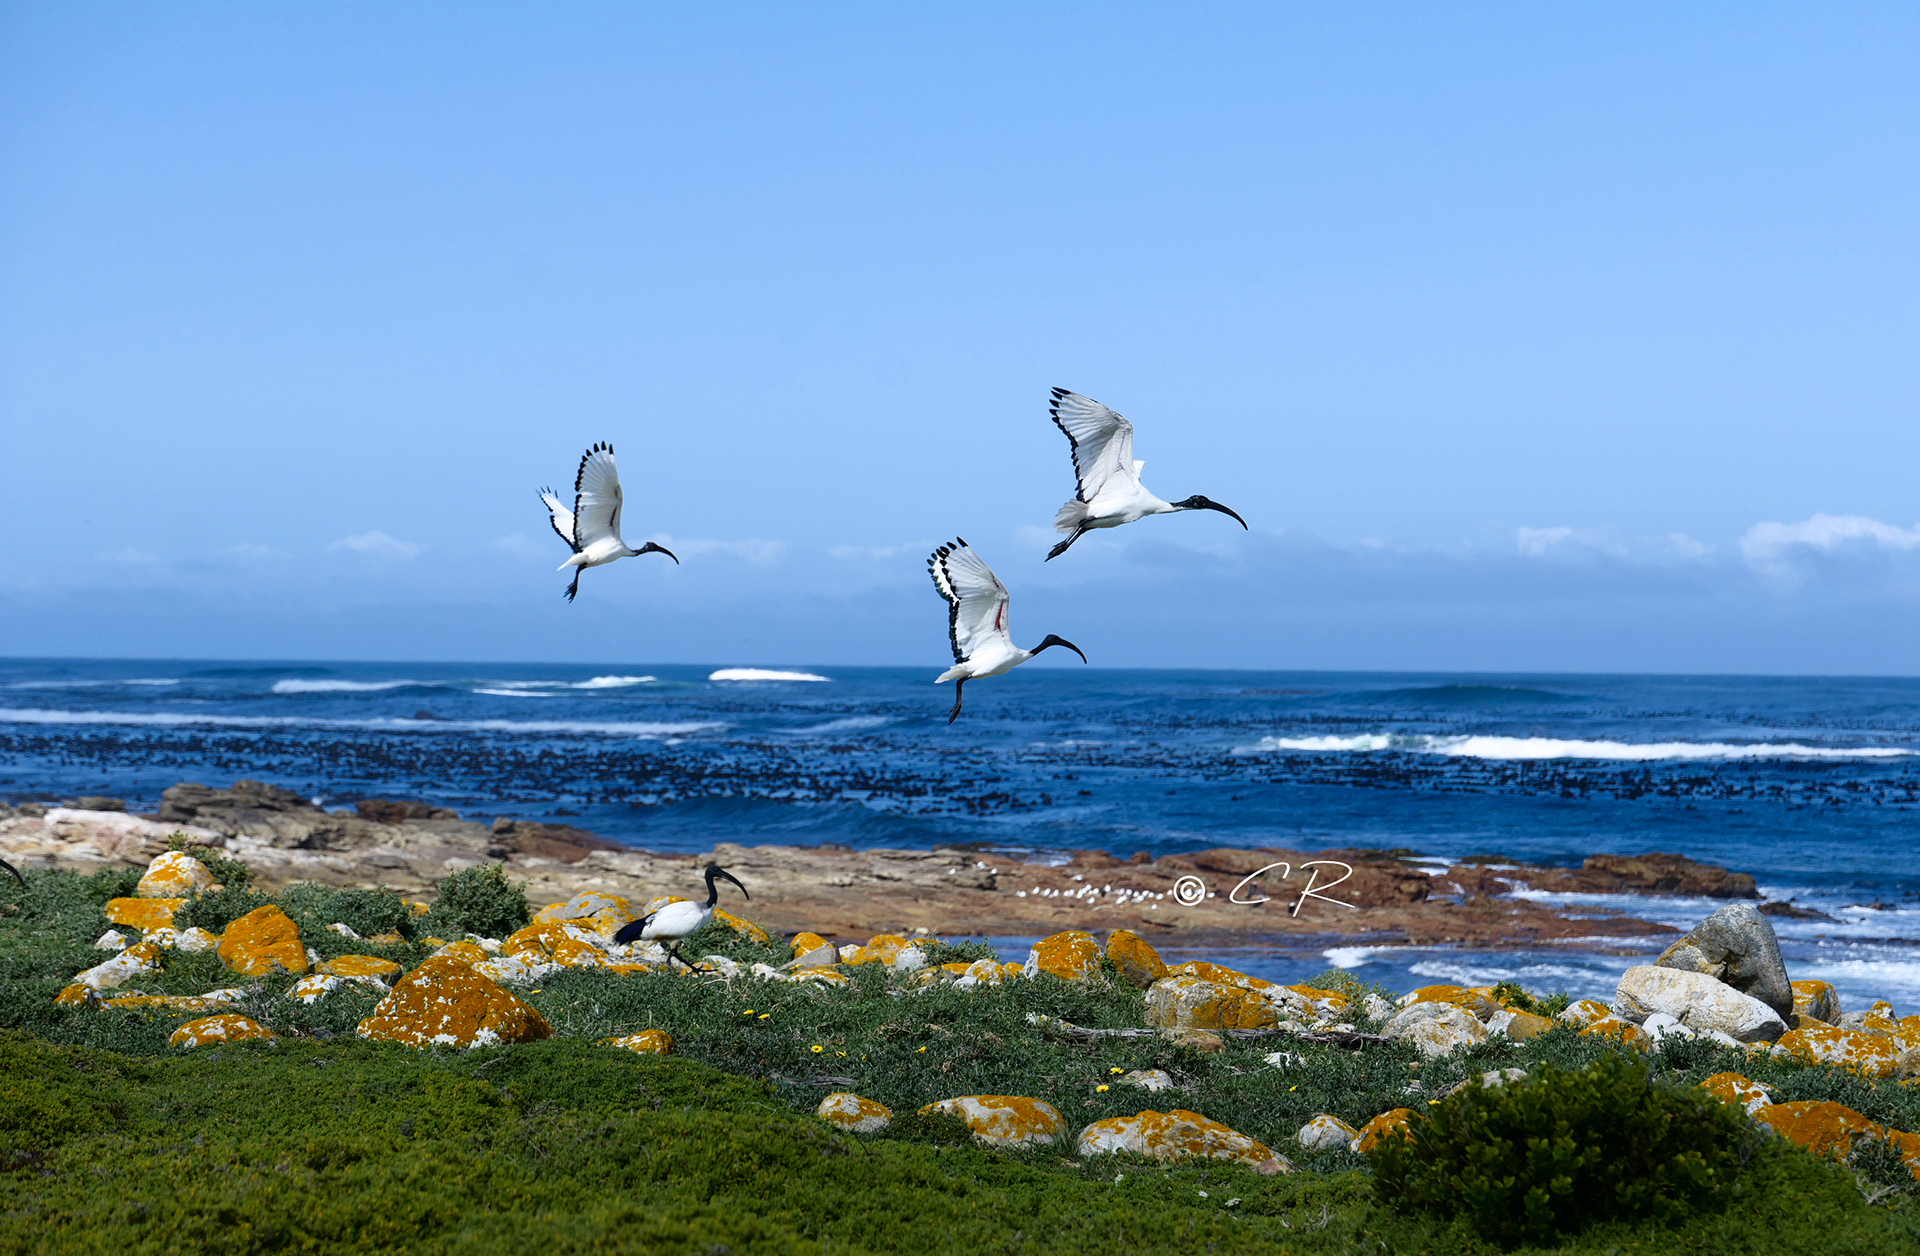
(1192, 1003)
(1816, 999)
(144, 913)
(1477, 1000)
(881, 949)
(1870, 1055)
(1219, 975)
(1005, 1120)
(1070, 956)
(445, 1003)
(1824, 1128)
(1387, 1123)
(745, 928)
(812, 950)
(646, 1042)
(1521, 1026)
(175, 1002)
(226, 1027)
(462, 953)
(263, 941)
(77, 996)
(1626, 1031)
(141, 957)
(1739, 1088)
(1585, 1012)
(1175, 1135)
(850, 1112)
(174, 875)
(1136, 959)
(1309, 1001)
(383, 970)
(598, 913)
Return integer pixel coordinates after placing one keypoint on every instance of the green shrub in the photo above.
(230, 873)
(479, 900)
(216, 909)
(941, 952)
(366, 912)
(1561, 1150)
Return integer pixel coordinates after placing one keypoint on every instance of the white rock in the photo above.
(1435, 1028)
(1285, 1059)
(1150, 1079)
(721, 964)
(1376, 1008)
(909, 959)
(1660, 1025)
(521, 969)
(196, 939)
(113, 940)
(314, 987)
(345, 931)
(1326, 1132)
(117, 971)
(165, 937)
(1699, 1002)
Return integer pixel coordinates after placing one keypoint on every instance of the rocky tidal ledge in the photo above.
(837, 892)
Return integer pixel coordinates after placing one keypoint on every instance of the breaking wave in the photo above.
(598, 682)
(345, 686)
(760, 673)
(1561, 748)
(30, 715)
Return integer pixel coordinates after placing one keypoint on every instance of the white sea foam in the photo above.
(1564, 748)
(760, 673)
(342, 686)
(516, 693)
(847, 725)
(598, 682)
(30, 715)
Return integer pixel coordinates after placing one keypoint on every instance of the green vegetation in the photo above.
(1557, 1151)
(479, 900)
(109, 1140)
(230, 873)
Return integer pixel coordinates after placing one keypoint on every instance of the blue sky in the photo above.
(1525, 337)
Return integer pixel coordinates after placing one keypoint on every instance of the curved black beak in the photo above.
(1197, 502)
(16, 873)
(715, 870)
(651, 548)
(1053, 640)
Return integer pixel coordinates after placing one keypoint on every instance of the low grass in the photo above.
(322, 1141)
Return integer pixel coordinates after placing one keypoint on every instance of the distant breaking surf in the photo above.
(1558, 748)
(757, 673)
(32, 715)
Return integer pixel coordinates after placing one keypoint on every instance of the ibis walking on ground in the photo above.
(592, 528)
(977, 620)
(678, 920)
(1110, 492)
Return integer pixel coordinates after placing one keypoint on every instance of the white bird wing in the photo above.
(561, 517)
(596, 498)
(976, 600)
(1102, 442)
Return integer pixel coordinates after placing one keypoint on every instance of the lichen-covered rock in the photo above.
(1070, 956)
(468, 953)
(1220, 975)
(745, 928)
(1735, 945)
(1175, 1135)
(646, 1042)
(1151, 1080)
(1382, 1126)
(810, 950)
(196, 940)
(1585, 1012)
(1435, 1027)
(1136, 959)
(526, 968)
(1327, 1132)
(850, 1112)
(112, 940)
(1697, 1000)
(385, 971)
(1870, 1055)
(1479, 1002)
(1202, 1040)
(1739, 1088)
(1816, 999)
(1005, 1120)
(446, 1003)
(226, 1027)
(315, 986)
(77, 995)
(1614, 1027)
(262, 942)
(211, 1001)
(174, 875)
(143, 913)
(882, 949)
(1193, 1003)
(820, 976)
(1822, 1127)
(142, 957)
(599, 914)
(1518, 1026)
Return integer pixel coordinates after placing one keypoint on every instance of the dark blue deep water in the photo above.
(1810, 784)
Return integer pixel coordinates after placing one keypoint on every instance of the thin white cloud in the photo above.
(752, 551)
(1686, 547)
(1773, 547)
(1536, 541)
(517, 545)
(377, 545)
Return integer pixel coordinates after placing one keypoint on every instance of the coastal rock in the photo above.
(78, 995)
(1870, 1055)
(1519, 1026)
(1175, 1135)
(1614, 1027)
(1151, 1080)
(1480, 1003)
(143, 913)
(1488, 1080)
(174, 875)
(850, 1112)
(810, 950)
(446, 1003)
(1436, 1028)
(1005, 1120)
(315, 986)
(112, 940)
(1070, 956)
(646, 1042)
(521, 969)
(1326, 1132)
(1736, 945)
(226, 1027)
(1585, 1012)
(884, 948)
(1822, 1127)
(367, 967)
(1698, 1001)
(1816, 999)
(745, 928)
(211, 1001)
(1387, 1124)
(262, 942)
(142, 957)
(594, 912)
(1189, 1003)
(196, 939)
(1739, 1088)
(1138, 963)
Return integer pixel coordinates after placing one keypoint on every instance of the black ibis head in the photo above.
(713, 891)
(1197, 502)
(1053, 640)
(651, 548)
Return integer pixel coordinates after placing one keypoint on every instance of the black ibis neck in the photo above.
(713, 891)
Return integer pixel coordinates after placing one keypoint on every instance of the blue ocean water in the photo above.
(1810, 784)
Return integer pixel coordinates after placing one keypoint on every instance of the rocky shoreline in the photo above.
(838, 892)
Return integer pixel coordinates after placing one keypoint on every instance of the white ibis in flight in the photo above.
(592, 528)
(977, 620)
(1110, 492)
(678, 920)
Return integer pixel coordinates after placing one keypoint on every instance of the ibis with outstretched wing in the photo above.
(592, 528)
(977, 620)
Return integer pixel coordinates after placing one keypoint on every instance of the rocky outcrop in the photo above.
(226, 1027)
(1326, 1132)
(1175, 1135)
(1696, 1000)
(444, 1002)
(1005, 1120)
(1736, 945)
(850, 1112)
(1070, 956)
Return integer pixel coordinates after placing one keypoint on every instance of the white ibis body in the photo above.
(1110, 492)
(678, 920)
(977, 620)
(592, 528)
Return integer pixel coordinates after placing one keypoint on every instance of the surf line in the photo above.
(1191, 891)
